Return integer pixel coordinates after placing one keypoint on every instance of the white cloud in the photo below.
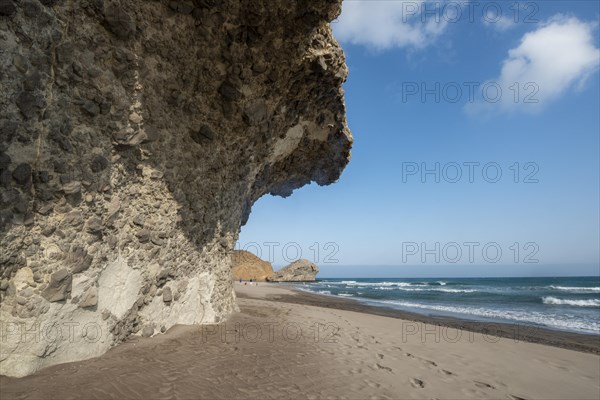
(549, 61)
(384, 24)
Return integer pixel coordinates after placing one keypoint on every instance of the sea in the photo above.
(562, 303)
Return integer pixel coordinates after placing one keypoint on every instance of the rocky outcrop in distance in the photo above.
(134, 138)
(247, 266)
(299, 271)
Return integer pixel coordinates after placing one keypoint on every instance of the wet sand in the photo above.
(518, 332)
(285, 344)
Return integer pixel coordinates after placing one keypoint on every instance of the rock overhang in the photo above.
(135, 137)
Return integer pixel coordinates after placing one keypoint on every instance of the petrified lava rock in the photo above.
(134, 138)
(299, 271)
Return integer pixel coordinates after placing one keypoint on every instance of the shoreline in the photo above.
(280, 345)
(583, 342)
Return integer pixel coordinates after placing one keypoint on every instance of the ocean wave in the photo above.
(434, 283)
(387, 284)
(568, 302)
(521, 316)
(304, 288)
(576, 289)
(439, 290)
(405, 286)
(345, 294)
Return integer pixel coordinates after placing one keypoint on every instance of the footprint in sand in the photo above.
(417, 383)
(380, 356)
(383, 367)
(433, 364)
(513, 397)
(372, 384)
(409, 355)
(483, 385)
(446, 372)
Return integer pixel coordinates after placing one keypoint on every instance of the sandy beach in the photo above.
(280, 345)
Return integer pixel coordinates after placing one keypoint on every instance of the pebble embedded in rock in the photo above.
(256, 112)
(136, 118)
(138, 220)
(229, 92)
(167, 295)
(94, 225)
(21, 300)
(147, 331)
(91, 108)
(59, 286)
(204, 135)
(29, 104)
(72, 187)
(156, 240)
(143, 235)
(98, 163)
(22, 174)
(33, 81)
(119, 21)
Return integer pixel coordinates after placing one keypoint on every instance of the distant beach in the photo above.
(286, 343)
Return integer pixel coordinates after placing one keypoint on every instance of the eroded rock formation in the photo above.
(134, 138)
(299, 271)
(246, 266)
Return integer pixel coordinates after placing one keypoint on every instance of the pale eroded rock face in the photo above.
(299, 271)
(246, 266)
(134, 138)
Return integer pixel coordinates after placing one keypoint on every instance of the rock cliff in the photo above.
(246, 266)
(299, 271)
(134, 138)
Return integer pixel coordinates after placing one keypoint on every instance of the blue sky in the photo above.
(384, 218)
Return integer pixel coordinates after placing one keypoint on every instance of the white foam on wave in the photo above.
(406, 286)
(345, 295)
(576, 289)
(387, 284)
(434, 289)
(570, 302)
(514, 315)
